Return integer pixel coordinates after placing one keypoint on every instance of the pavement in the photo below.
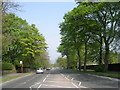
(10, 75)
(62, 79)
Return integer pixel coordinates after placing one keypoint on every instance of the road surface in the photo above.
(62, 79)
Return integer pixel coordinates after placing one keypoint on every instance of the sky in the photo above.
(47, 17)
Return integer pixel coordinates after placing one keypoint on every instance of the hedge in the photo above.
(7, 66)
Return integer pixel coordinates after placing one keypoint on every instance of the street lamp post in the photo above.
(21, 62)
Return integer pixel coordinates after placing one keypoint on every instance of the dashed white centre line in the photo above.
(39, 86)
(47, 75)
(38, 83)
(62, 75)
(72, 78)
(66, 78)
(79, 83)
(44, 79)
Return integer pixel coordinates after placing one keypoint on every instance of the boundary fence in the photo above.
(111, 67)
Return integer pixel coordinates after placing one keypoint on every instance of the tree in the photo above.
(62, 62)
(25, 42)
(108, 16)
(8, 6)
(91, 23)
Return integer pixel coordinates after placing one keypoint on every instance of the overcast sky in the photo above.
(47, 16)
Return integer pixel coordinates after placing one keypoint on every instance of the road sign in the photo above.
(21, 62)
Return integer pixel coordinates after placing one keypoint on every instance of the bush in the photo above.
(7, 66)
(99, 68)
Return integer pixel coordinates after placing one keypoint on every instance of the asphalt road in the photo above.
(62, 79)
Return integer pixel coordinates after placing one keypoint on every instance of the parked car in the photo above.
(39, 70)
(48, 69)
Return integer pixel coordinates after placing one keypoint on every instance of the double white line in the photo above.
(39, 83)
(68, 80)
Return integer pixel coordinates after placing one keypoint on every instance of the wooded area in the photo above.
(21, 41)
(91, 35)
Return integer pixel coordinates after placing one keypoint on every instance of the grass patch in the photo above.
(12, 77)
(117, 75)
(8, 78)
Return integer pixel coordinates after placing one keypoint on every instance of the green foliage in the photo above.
(114, 57)
(110, 74)
(90, 28)
(99, 68)
(7, 66)
(22, 41)
(62, 62)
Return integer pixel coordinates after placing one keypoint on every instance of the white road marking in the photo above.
(105, 77)
(38, 83)
(57, 81)
(64, 76)
(34, 84)
(47, 75)
(30, 88)
(75, 85)
(68, 76)
(39, 86)
(72, 82)
(72, 78)
(83, 87)
(44, 79)
(57, 86)
(79, 83)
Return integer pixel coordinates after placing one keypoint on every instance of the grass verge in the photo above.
(12, 77)
(109, 74)
(8, 78)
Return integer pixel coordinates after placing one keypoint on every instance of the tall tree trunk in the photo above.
(85, 59)
(100, 53)
(79, 59)
(106, 59)
(68, 62)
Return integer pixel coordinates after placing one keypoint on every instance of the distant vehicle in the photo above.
(39, 71)
(48, 69)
